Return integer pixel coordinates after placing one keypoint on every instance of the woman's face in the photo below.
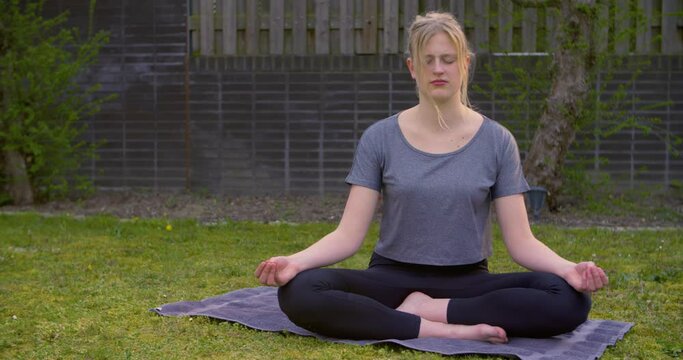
(440, 74)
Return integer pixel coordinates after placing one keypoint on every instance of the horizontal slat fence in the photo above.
(354, 27)
(289, 124)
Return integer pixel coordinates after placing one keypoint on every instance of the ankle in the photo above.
(414, 303)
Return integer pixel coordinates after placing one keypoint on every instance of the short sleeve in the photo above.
(510, 178)
(367, 162)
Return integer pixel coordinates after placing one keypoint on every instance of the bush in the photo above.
(42, 102)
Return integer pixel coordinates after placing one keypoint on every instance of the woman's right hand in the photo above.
(276, 271)
(332, 248)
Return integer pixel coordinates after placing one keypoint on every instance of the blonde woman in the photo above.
(438, 166)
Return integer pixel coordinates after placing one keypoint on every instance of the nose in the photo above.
(437, 66)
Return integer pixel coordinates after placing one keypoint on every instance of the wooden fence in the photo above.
(351, 27)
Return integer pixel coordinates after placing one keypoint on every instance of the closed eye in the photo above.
(447, 59)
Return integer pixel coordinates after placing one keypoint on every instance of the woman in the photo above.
(438, 166)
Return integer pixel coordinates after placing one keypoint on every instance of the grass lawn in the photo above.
(81, 288)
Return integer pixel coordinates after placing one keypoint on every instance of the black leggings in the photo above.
(360, 304)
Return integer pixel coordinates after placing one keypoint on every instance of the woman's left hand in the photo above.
(586, 277)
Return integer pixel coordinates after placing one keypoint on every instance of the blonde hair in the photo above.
(421, 31)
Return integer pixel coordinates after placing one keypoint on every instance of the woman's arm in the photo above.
(529, 252)
(336, 246)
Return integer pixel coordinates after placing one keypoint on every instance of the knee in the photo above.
(572, 307)
(300, 298)
(578, 308)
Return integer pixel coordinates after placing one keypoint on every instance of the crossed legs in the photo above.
(385, 302)
(433, 321)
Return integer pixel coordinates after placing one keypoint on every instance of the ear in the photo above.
(411, 67)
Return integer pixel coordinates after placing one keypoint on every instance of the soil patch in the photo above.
(297, 209)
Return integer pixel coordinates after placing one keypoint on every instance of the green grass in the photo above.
(73, 288)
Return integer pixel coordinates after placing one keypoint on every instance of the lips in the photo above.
(439, 82)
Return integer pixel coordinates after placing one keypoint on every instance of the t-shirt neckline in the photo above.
(457, 151)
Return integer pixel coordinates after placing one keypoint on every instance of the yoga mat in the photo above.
(258, 308)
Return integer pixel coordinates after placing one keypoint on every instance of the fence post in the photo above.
(622, 24)
(644, 32)
(277, 26)
(481, 25)
(602, 28)
(390, 26)
(409, 13)
(229, 19)
(299, 28)
(529, 30)
(458, 7)
(505, 25)
(253, 27)
(322, 27)
(346, 27)
(551, 29)
(206, 27)
(671, 40)
(368, 43)
(431, 5)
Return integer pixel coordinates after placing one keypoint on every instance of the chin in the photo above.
(442, 98)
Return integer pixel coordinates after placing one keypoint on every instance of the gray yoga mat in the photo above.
(258, 308)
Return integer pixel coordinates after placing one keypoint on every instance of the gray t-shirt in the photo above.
(436, 206)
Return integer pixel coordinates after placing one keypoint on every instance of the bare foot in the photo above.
(434, 323)
(413, 303)
(482, 332)
(425, 307)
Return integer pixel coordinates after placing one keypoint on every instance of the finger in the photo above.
(591, 284)
(594, 279)
(586, 281)
(263, 278)
(600, 277)
(259, 269)
(604, 277)
(271, 275)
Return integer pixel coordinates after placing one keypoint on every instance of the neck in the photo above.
(454, 114)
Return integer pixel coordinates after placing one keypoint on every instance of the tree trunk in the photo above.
(19, 183)
(557, 126)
